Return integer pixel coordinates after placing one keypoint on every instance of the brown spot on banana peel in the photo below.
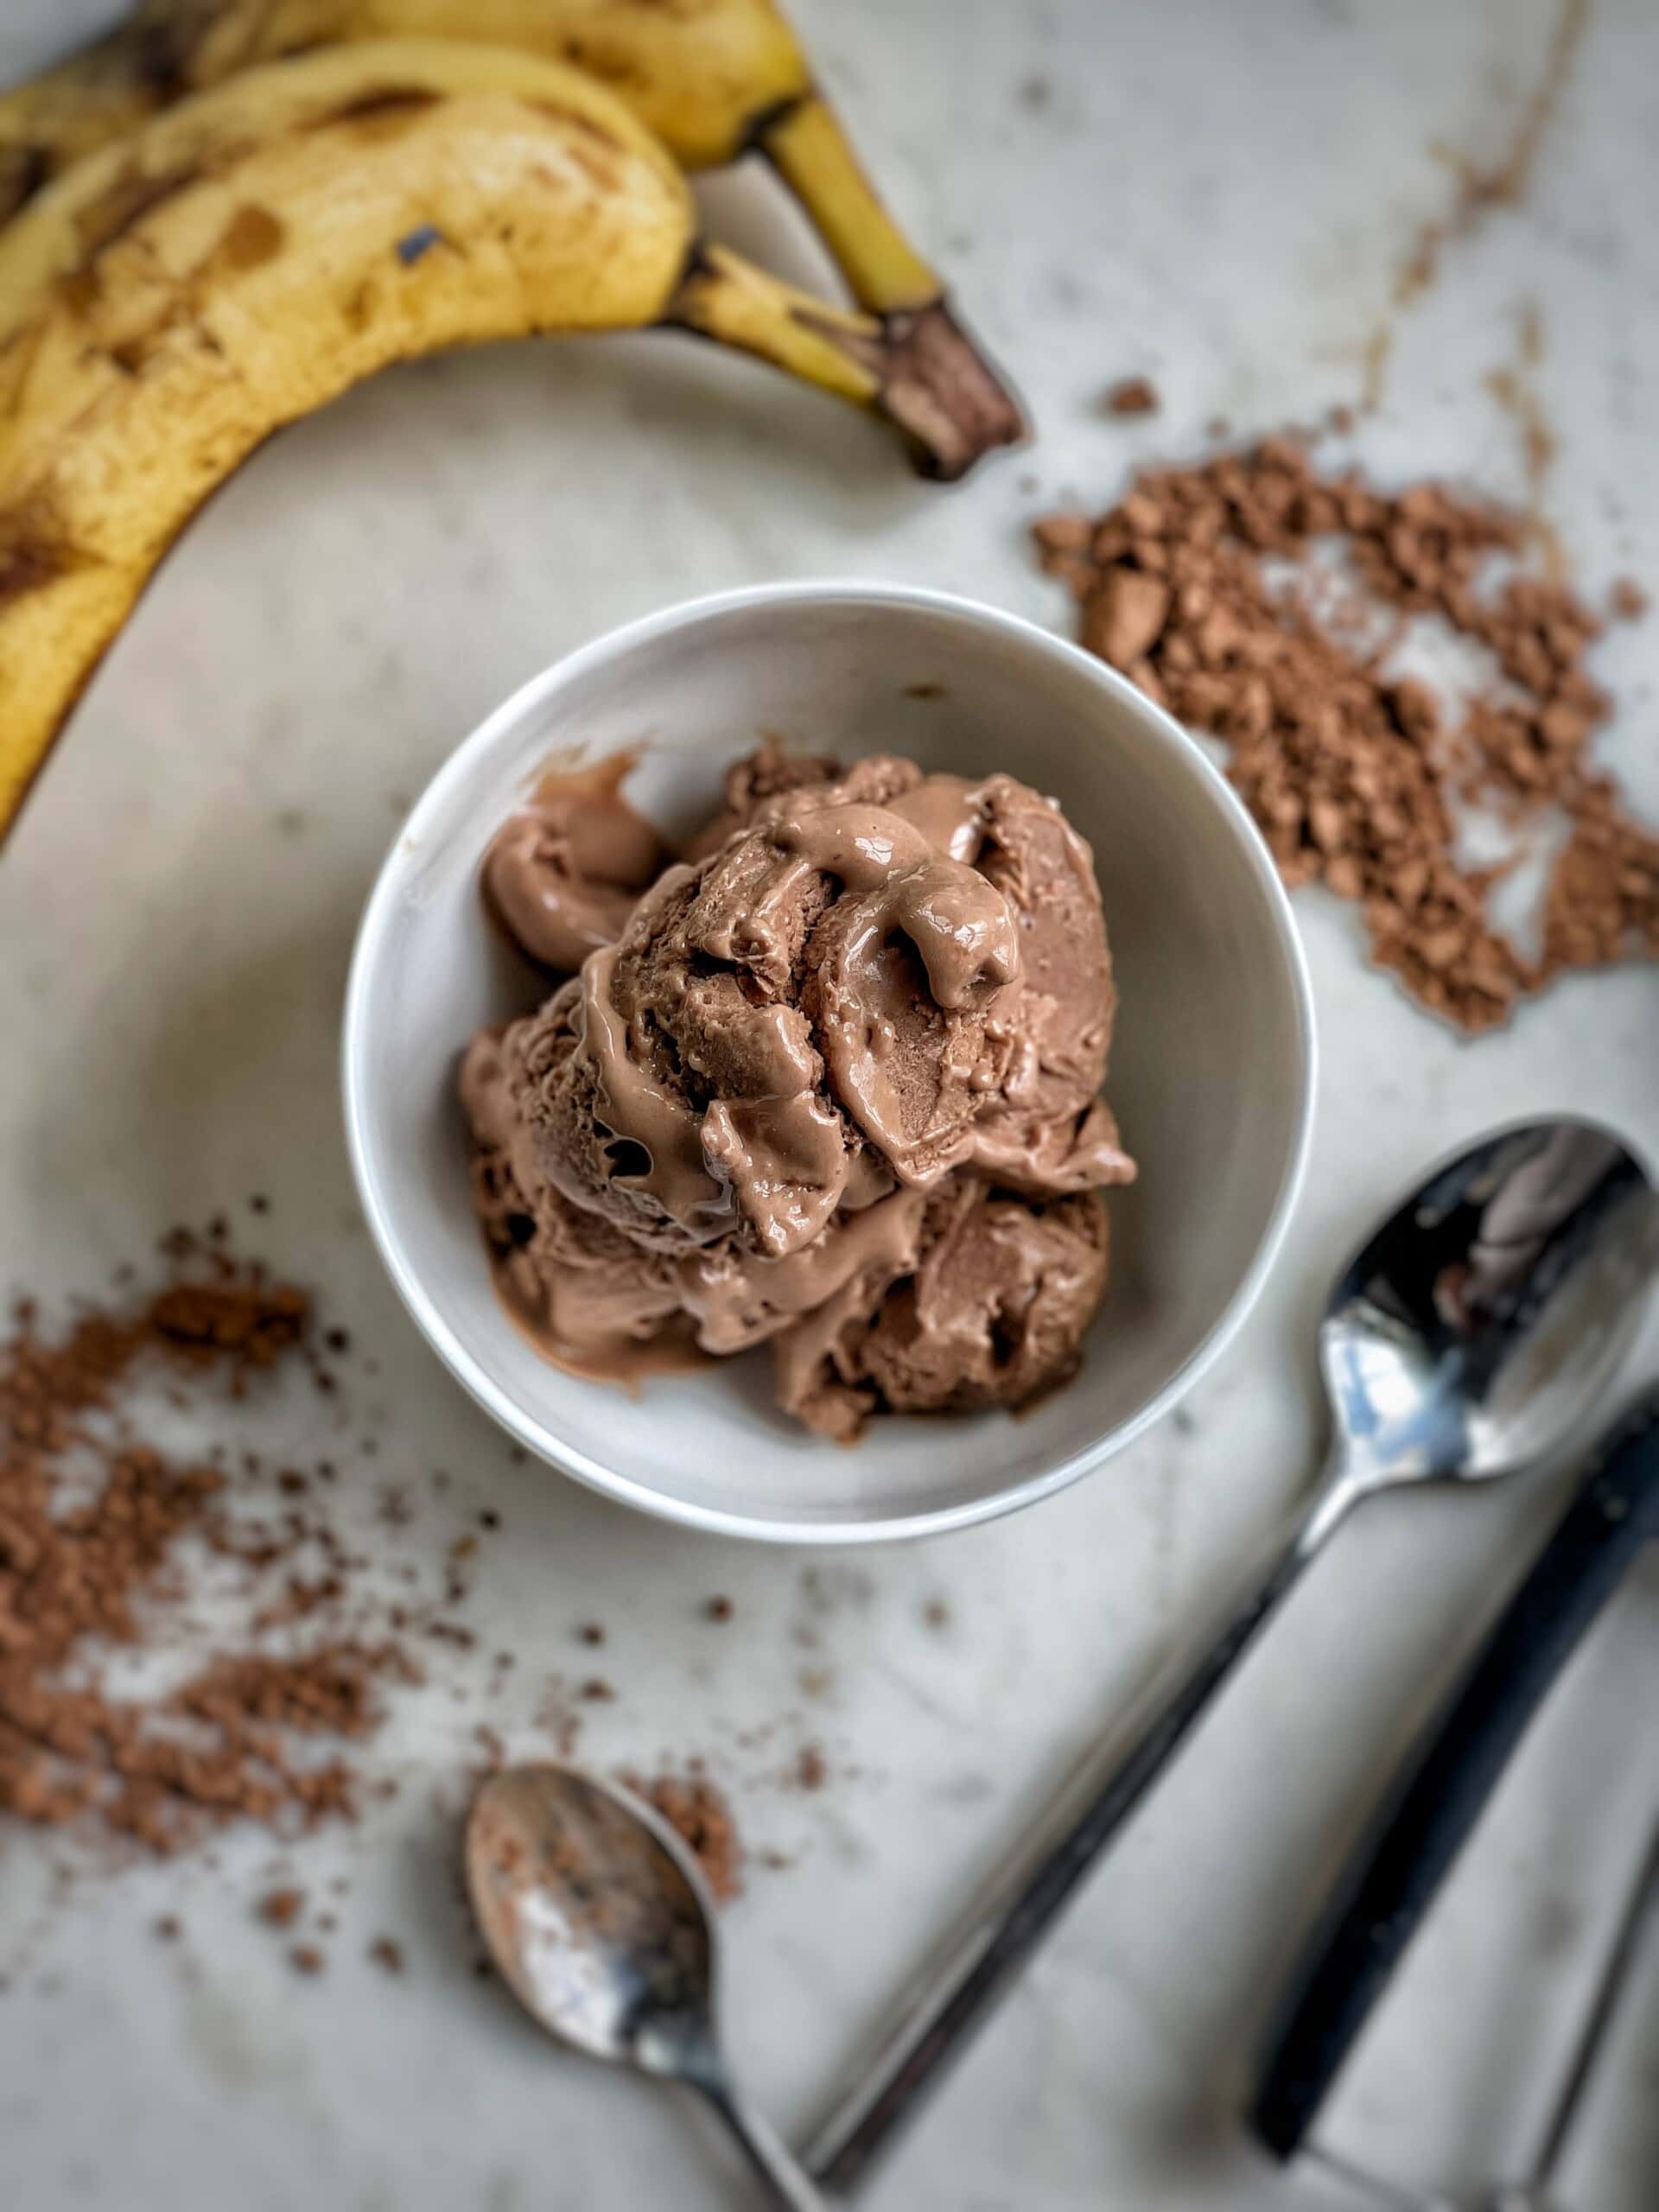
(127, 200)
(158, 58)
(379, 113)
(252, 236)
(572, 118)
(612, 69)
(24, 170)
(597, 152)
(19, 350)
(32, 554)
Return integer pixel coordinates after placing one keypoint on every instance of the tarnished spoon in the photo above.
(603, 1929)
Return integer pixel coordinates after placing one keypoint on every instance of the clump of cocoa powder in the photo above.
(1350, 768)
(1131, 396)
(699, 1813)
(92, 1521)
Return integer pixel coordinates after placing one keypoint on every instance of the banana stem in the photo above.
(897, 368)
(805, 144)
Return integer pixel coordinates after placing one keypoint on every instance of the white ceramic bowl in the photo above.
(1211, 1074)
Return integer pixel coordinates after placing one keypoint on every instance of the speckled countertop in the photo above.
(1219, 197)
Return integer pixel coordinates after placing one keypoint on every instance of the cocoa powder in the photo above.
(92, 1519)
(698, 1812)
(1353, 771)
(1131, 396)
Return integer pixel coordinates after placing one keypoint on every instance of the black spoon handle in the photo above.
(1415, 1837)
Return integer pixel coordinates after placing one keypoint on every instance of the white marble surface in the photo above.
(1217, 196)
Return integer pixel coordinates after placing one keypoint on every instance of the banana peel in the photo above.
(250, 254)
(711, 77)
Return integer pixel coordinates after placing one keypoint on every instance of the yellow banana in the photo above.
(711, 77)
(246, 256)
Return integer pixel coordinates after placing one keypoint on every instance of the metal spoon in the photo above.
(603, 1929)
(1466, 1341)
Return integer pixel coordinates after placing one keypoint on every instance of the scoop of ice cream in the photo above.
(835, 1083)
(886, 974)
(1048, 1129)
(592, 1300)
(562, 873)
(992, 1313)
(823, 987)
(596, 1302)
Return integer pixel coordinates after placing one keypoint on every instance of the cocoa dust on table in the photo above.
(1131, 396)
(1205, 586)
(699, 1814)
(99, 1529)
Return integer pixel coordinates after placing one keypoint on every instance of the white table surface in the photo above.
(1216, 196)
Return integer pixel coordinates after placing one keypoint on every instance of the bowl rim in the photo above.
(405, 852)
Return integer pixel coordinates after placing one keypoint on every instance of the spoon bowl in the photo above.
(1485, 1318)
(603, 1928)
(596, 1916)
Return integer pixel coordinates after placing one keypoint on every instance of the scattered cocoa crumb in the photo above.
(1340, 418)
(597, 1690)
(1131, 396)
(169, 1928)
(259, 1203)
(92, 1519)
(936, 1613)
(1627, 599)
(387, 1953)
(811, 1769)
(338, 1340)
(306, 1958)
(394, 1508)
(591, 1632)
(720, 1608)
(489, 1518)
(556, 1717)
(451, 1632)
(1349, 768)
(282, 1908)
(698, 1813)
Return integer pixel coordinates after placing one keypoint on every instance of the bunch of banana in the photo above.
(243, 258)
(713, 78)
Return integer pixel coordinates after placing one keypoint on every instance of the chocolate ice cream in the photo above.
(563, 871)
(990, 1312)
(836, 1083)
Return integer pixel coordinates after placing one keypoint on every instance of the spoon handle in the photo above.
(1010, 1920)
(787, 2183)
(1431, 1808)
